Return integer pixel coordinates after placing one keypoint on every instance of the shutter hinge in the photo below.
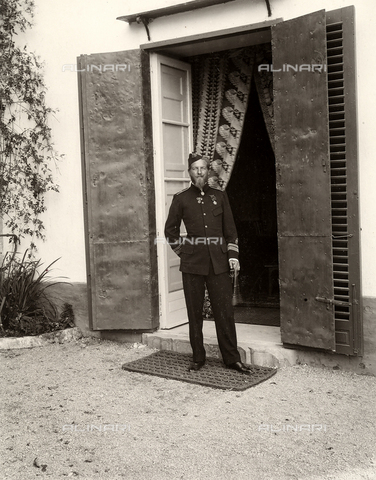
(331, 301)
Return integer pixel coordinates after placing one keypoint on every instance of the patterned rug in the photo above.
(213, 374)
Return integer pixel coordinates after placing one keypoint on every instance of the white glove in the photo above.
(234, 265)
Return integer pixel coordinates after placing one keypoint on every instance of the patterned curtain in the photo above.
(264, 86)
(210, 73)
(222, 83)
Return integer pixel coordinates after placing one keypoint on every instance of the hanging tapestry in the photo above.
(209, 73)
(233, 109)
(220, 99)
(264, 86)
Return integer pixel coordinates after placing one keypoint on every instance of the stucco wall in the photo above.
(64, 30)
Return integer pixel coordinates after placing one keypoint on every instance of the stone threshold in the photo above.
(258, 345)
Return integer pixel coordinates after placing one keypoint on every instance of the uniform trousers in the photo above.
(220, 294)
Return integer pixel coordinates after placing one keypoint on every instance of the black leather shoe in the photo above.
(240, 367)
(195, 366)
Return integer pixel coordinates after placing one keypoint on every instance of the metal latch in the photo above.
(331, 301)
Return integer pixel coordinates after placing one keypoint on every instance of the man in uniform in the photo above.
(207, 254)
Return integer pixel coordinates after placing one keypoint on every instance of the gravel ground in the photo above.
(71, 411)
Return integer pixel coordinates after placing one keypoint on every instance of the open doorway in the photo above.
(252, 194)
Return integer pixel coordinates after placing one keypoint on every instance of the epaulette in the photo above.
(216, 187)
(181, 191)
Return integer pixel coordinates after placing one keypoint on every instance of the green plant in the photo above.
(67, 316)
(26, 148)
(26, 308)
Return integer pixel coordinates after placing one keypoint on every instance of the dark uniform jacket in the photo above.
(211, 231)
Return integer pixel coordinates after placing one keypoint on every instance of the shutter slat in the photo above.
(335, 83)
(333, 76)
(339, 172)
(335, 59)
(341, 298)
(334, 35)
(341, 289)
(338, 67)
(336, 116)
(336, 108)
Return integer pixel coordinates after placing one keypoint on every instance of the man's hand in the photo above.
(234, 265)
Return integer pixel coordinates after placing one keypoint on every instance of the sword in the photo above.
(236, 295)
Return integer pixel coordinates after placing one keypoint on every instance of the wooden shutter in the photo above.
(303, 182)
(317, 170)
(344, 179)
(115, 112)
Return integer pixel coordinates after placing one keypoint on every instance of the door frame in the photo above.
(169, 49)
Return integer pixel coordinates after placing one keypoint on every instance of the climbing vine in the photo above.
(26, 149)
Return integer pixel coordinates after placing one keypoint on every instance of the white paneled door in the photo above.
(172, 139)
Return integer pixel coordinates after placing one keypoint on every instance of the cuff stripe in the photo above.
(233, 247)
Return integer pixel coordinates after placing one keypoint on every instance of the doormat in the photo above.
(167, 364)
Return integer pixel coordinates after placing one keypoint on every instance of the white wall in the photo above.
(64, 30)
